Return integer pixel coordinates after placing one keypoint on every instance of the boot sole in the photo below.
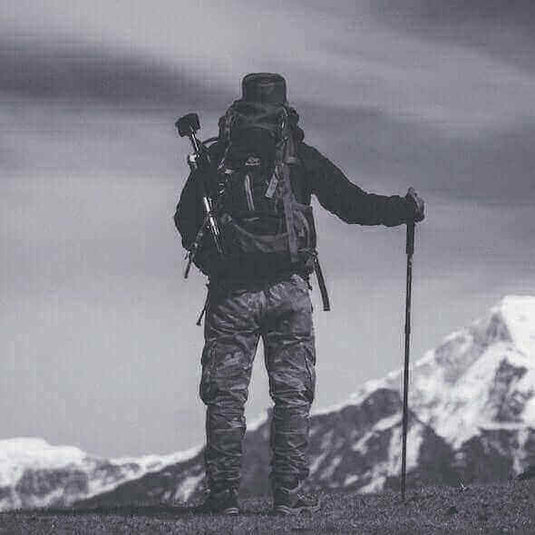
(230, 511)
(289, 511)
(209, 511)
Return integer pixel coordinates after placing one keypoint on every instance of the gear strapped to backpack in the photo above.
(264, 228)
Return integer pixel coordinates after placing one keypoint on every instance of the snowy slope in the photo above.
(482, 377)
(34, 473)
(472, 399)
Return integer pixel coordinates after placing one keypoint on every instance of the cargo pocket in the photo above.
(302, 301)
(311, 375)
(208, 361)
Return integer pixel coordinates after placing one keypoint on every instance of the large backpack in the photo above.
(264, 229)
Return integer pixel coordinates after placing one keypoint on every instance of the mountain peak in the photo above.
(33, 451)
(481, 376)
(518, 313)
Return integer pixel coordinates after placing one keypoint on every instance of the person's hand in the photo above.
(418, 203)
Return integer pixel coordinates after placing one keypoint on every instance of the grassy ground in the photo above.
(491, 509)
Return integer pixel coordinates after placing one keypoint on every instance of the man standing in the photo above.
(262, 176)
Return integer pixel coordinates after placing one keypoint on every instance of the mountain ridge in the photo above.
(472, 418)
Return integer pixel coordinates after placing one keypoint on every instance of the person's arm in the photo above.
(350, 203)
(189, 214)
(187, 217)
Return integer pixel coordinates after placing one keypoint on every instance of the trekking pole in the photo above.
(410, 251)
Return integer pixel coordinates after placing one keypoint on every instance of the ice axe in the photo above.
(410, 251)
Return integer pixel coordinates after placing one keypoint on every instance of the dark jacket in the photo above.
(315, 175)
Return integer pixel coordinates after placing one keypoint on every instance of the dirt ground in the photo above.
(490, 509)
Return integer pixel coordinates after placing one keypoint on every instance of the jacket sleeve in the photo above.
(187, 217)
(346, 200)
(189, 214)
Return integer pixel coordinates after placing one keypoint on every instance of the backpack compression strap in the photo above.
(285, 154)
(284, 158)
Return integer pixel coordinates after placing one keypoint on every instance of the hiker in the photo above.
(261, 177)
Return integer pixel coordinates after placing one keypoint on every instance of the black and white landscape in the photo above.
(472, 420)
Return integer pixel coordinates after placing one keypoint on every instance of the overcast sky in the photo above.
(97, 332)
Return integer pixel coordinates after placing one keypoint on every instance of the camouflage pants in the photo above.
(281, 315)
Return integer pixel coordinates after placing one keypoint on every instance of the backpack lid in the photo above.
(265, 88)
(244, 116)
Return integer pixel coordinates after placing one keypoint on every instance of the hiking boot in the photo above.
(224, 502)
(294, 502)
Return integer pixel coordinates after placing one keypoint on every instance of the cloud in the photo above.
(385, 151)
(89, 74)
(498, 28)
(435, 13)
(125, 51)
(92, 168)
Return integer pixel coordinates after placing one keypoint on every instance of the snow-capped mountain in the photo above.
(481, 378)
(472, 418)
(34, 473)
(472, 404)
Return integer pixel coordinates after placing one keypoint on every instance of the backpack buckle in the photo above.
(253, 161)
